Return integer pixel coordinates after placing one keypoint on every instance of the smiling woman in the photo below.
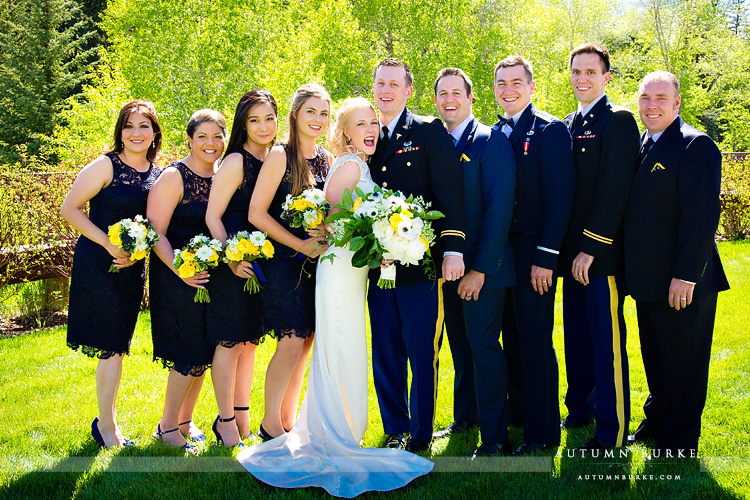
(177, 209)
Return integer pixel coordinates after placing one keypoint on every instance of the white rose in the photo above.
(414, 252)
(396, 246)
(382, 229)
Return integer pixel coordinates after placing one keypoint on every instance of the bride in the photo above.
(323, 447)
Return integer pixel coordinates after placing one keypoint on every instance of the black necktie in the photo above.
(577, 119)
(645, 149)
(506, 121)
(384, 140)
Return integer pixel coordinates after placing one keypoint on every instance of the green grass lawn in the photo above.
(47, 402)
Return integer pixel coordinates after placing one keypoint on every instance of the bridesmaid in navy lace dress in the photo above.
(177, 208)
(104, 306)
(289, 295)
(235, 323)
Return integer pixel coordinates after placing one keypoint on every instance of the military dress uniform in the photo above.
(670, 225)
(605, 148)
(543, 201)
(407, 321)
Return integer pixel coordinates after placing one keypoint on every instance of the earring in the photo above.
(348, 140)
(122, 144)
(153, 145)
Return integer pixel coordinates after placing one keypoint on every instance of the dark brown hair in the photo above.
(239, 131)
(396, 63)
(454, 72)
(511, 61)
(592, 48)
(206, 116)
(146, 108)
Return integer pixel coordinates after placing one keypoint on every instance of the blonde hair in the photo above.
(338, 142)
(299, 175)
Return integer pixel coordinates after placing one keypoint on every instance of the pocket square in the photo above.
(658, 166)
(464, 158)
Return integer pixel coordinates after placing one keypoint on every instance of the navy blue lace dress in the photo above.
(178, 324)
(234, 315)
(289, 295)
(103, 307)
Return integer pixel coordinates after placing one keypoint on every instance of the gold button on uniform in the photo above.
(385, 184)
(583, 150)
(383, 169)
(408, 164)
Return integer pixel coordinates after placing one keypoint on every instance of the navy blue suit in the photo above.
(407, 321)
(481, 384)
(670, 224)
(605, 149)
(543, 201)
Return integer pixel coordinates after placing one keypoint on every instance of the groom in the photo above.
(416, 156)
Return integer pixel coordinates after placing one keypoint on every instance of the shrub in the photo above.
(735, 197)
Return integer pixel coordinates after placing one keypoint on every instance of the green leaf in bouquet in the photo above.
(357, 243)
(361, 257)
(346, 199)
(337, 216)
(433, 214)
(359, 191)
(375, 260)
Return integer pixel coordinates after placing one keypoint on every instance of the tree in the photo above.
(42, 61)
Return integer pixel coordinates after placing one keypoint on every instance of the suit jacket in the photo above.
(489, 174)
(420, 159)
(672, 216)
(605, 148)
(544, 181)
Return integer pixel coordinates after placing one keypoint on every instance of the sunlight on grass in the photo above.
(48, 401)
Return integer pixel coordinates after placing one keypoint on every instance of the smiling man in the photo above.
(605, 148)
(543, 199)
(474, 305)
(672, 264)
(414, 155)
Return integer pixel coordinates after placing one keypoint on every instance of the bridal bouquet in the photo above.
(384, 225)
(306, 210)
(198, 255)
(248, 247)
(136, 236)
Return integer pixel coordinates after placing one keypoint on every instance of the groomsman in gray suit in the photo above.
(474, 305)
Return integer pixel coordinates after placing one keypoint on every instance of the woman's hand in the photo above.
(313, 247)
(197, 280)
(123, 262)
(242, 269)
(386, 263)
(320, 231)
(116, 252)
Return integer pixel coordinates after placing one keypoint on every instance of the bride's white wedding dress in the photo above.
(323, 447)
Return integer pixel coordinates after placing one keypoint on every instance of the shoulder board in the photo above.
(616, 109)
(545, 116)
(428, 119)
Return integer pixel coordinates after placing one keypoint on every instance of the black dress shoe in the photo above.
(455, 427)
(491, 450)
(395, 441)
(595, 444)
(527, 448)
(572, 423)
(417, 445)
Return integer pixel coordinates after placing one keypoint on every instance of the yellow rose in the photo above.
(187, 269)
(299, 204)
(187, 256)
(138, 255)
(114, 234)
(244, 246)
(357, 204)
(406, 214)
(234, 256)
(267, 249)
(395, 219)
(214, 256)
(317, 220)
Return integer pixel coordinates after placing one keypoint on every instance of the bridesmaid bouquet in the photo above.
(248, 247)
(136, 236)
(384, 225)
(306, 210)
(198, 255)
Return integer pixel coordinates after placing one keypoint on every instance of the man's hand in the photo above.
(453, 267)
(680, 294)
(471, 285)
(541, 279)
(581, 266)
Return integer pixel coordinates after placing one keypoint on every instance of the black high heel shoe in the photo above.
(215, 428)
(95, 433)
(198, 438)
(264, 435)
(187, 446)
